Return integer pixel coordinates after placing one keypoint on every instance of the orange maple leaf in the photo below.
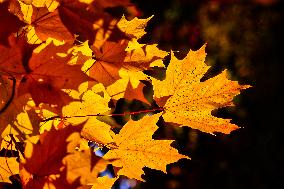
(49, 73)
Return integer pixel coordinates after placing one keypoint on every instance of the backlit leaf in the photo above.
(134, 148)
(191, 101)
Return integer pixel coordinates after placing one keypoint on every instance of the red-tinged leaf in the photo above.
(128, 56)
(87, 21)
(108, 62)
(49, 73)
(62, 182)
(48, 24)
(13, 59)
(45, 24)
(43, 92)
(7, 91)
(9, 23)
(135, 93)
(47, 155)
(48, 182)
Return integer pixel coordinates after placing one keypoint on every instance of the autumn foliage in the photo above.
(63, 66)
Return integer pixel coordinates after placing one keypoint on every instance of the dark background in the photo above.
(245, 37)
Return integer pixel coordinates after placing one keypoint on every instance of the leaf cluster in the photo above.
(64, 64)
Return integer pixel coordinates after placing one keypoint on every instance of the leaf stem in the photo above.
(110, 115)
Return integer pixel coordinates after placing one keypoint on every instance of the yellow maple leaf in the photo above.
(8, 144)
(134, 148)
(190, 101)
(90, 105)
(104, 182)
(102, 33)
(97, 131)
(141, 53)
(134, 28)
(19, 118)
(80, 163)
(50, 4)
(8, 167)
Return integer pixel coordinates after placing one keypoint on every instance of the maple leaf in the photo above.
(48, 74)
(50, 4)
(134, 148)
(8, 23)
(13, 65)
(104, 182)
(62, 183)
(124, 55)
(13, 59)
(190, 101)
(134, 28)
(61, 21)
(8, 143)
(52, 181)
(42, 23)
(8, 167)
(123, 88)
(88, 22)
(7, 91)
(44, 158)
(108, 62)
(91, 104)
(145, 54)
(124, 68)
(132, 93)
(19, 118)
(97, 131)
(81, 164)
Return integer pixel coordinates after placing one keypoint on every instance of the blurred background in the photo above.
(246, 37)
